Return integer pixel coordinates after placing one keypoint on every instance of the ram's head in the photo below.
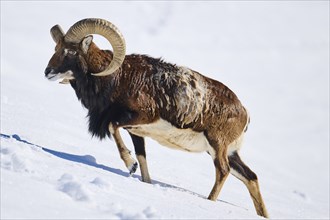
(73, 48)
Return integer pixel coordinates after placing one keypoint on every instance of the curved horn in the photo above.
(57, 33)
(102, 27)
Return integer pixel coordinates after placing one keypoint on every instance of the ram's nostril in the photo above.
(48, 70)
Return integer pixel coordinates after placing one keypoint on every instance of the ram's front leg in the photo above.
(140, 153)
(125, 154)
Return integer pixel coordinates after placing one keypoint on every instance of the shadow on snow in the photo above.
(91, 161)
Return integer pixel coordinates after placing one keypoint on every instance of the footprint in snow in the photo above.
(5, 150)
(19, 163)
(147, 213)
(72, 188)
(99, 182)
(15, 161)
(150, 212)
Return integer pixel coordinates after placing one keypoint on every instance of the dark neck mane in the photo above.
(95, 92)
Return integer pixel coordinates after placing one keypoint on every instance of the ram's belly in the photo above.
(168, 135)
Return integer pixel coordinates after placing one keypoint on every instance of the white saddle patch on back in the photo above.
(168, 135)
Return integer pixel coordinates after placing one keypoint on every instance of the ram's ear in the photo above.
(86, 42)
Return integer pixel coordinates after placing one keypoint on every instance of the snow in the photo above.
(274, 55)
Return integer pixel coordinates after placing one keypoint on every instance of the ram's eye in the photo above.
(72, 52)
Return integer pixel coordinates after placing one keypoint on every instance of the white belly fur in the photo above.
(166, 134)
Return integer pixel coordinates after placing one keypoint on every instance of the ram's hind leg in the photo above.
(141, 156)
(249, 178)
(125, 154)
(221, 171)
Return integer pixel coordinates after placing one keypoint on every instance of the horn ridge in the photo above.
(106, 29)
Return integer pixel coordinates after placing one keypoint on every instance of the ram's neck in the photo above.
(97, 59)
(89, 87)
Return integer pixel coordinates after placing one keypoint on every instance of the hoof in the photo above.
(146, 180)
(132, 169)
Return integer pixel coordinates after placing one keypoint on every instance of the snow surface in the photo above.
(274, 55)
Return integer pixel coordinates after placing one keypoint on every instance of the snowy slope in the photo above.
(274, 55)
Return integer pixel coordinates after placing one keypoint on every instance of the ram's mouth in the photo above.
(64, 77)
(50, 77)
(53, 77)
